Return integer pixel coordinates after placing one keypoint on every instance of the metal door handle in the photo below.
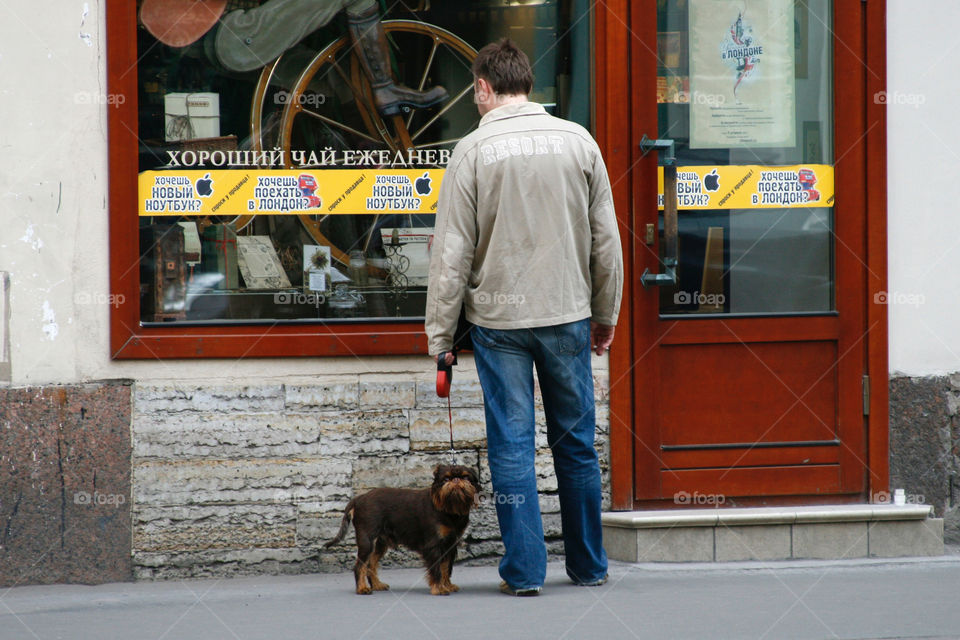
(671, 248)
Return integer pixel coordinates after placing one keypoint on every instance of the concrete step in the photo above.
(773, 533)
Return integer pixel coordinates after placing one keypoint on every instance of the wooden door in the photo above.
(748, 371)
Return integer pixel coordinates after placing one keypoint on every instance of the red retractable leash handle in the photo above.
(445, 373)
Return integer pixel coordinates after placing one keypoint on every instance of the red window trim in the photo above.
(130, 340)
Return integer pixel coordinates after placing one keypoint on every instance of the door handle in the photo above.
(671, 245)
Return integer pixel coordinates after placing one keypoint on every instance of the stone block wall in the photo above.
(232, 480)
(925, 445)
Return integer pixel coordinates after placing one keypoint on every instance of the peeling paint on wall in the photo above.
(86, 37)
(50, 327)
(29, 238)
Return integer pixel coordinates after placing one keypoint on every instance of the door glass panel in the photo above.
(744, 88)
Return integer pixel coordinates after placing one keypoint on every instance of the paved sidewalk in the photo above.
(831, 599)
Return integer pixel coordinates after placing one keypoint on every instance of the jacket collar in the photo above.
(512, 111)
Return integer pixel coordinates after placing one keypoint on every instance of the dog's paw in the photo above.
(364, 591)
(381, 586)
(437, 590)
(452, 587)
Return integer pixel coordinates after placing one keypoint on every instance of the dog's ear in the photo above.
(437, 470)
(474, 478)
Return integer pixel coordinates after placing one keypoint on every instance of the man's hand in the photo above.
(448, 359)
(601, 335)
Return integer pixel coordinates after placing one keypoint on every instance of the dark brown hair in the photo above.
(505, 67)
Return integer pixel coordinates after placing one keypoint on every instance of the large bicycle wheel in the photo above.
(331, 107)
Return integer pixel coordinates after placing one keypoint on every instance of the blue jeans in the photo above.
(505, 361)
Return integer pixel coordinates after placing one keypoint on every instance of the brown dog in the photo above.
(428, 521)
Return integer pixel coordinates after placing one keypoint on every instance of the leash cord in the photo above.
(450, 417)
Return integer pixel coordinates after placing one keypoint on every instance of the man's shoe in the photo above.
(510, 591)
(593, 583)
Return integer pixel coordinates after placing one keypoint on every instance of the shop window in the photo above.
(284, 157)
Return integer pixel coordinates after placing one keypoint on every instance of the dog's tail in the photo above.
(344, 525)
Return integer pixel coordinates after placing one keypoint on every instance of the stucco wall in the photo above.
(924, 162)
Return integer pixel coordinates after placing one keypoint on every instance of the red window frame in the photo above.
(130, 340)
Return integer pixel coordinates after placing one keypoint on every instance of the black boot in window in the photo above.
(368, 36)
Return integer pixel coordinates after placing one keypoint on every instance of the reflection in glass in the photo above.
(318, 97)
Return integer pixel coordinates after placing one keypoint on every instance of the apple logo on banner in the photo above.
(205, 186)
(711, 181)
(423, 185)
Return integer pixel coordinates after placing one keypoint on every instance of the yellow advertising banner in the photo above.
(752, 187)
(231, 192)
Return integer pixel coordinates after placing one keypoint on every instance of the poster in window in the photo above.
(742, 74)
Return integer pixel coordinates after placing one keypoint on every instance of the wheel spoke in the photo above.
(426, 70)
(358, 94)
(426, 73)
(438, 143)
(339, 125)
(318, 221)
(440, 113)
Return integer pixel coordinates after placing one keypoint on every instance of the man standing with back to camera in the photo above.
(526, 239)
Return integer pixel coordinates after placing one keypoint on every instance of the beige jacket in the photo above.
(526, 234)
